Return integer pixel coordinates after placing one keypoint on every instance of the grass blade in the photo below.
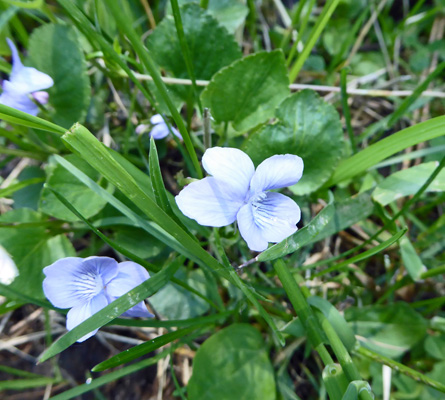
(142, 349)
(377, 152)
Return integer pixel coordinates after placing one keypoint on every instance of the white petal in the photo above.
(156, 119)
(249, 231)
(159, 131)
(27, 79)
(8, 269)
(230, 166)
(209, 203)
(276, 216)
(277, 172)
(85, 310)
(129, 276)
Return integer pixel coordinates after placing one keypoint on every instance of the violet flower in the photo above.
(235, 191)
(160, 129)
(23, 82)
(86, 285)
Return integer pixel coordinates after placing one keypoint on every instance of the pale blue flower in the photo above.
(23, 82)
(235, 191)
(86, 285)
(160, 129)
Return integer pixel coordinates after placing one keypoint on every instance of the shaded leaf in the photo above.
(232, 364)
(55, 50)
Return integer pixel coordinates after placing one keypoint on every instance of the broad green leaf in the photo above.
(407, 182)
(437, 373)
(131, 239)
(232, 364)
(175, 302)
(32, 248)
(80, 196)
(211, 47)
(435, 346)
(390, 330)
(229, 13)
(302, 237)
(29, 195)
(247, 91)
(308, 127)
(112, 310)
(55, 50)
(384, 148)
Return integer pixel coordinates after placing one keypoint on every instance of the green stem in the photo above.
(401, 368)
(126, 26)
(185, 48)
(302, 309)
(433, 272)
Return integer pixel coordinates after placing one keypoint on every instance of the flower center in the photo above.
(89, 284)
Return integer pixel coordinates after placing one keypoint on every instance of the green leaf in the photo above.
(335, 380)
(308, 127)
(80, 196)
(211, 47)
(435, 346)
(229, 13)
(407, 182)
(112, 310)
(32, 248)
(390, 330)
(232, 364)
(377, 152)
(301, 238)
(55, 50)
(175, 302)
(29, 196)
(247, 91)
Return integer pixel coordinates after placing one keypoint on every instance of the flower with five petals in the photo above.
(86, 285)
(235, 191)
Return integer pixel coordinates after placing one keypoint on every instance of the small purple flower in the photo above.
(235, 191)
(160, 129)
(23, 82)
(86, 285)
